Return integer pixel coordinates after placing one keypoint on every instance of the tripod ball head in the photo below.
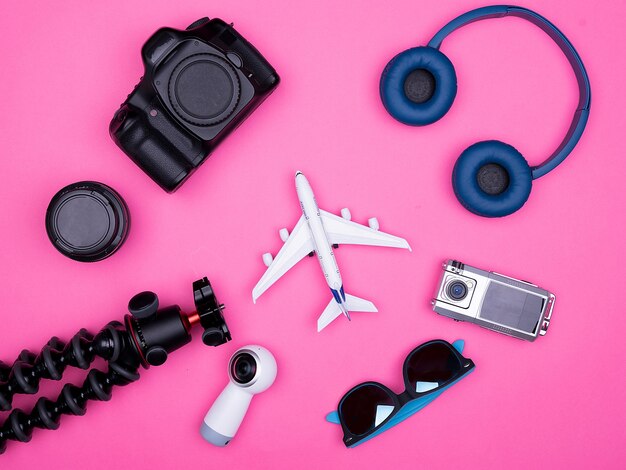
(157, 332)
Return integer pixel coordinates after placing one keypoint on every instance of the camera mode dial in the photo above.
(197, 23)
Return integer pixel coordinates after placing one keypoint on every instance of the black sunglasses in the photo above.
(371, 408)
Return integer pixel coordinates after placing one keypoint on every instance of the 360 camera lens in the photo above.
(243, 368)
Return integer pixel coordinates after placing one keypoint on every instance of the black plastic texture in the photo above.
(87, 221)
(199, 85)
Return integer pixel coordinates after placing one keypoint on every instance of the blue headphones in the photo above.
(490, 178)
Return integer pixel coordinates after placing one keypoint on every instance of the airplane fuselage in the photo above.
(323, 248)
(318, 232)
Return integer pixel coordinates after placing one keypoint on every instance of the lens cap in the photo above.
(204, 89)
(87, 221)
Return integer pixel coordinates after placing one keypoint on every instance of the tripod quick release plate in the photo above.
(209, 310)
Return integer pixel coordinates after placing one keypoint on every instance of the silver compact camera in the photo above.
(500, 303)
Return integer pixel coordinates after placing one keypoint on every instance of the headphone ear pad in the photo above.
(492, 179)
(418, 86)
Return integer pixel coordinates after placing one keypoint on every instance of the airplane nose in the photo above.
(298, 173)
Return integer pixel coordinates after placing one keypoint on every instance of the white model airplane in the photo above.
(318, 232)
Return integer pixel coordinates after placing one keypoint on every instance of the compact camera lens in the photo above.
(457, 290)
(243, 368)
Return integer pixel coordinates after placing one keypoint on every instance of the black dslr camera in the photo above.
(198, 86)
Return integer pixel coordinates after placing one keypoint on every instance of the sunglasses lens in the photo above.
(365, 408)
(431, 366)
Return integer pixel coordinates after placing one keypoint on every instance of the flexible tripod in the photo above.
(145, 338)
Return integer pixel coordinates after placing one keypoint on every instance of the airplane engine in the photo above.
(345, 213)
(373, 223)
(284, 234)
(267, 259)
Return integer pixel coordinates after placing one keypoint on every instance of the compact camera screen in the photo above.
(512, 307)
(198, 86)
(493, 301)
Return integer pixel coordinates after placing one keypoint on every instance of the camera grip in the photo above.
(161, 150)
(223, 419)
(264, 74)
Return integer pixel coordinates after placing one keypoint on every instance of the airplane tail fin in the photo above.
(355, 304)
(351, 304)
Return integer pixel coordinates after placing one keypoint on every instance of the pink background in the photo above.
(558, 402)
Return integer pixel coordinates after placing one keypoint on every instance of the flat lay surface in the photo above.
(559, 402)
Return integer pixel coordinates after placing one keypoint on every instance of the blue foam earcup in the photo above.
(491, 179)
(418, 86)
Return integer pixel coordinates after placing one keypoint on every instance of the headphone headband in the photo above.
(584, 102)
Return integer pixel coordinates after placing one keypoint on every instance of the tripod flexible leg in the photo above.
(72, 400)
(29, 369)
(146, 338)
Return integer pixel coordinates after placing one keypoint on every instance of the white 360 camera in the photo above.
(252, 369)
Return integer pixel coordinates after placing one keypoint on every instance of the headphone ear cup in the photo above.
(492, 179)
(418, 86)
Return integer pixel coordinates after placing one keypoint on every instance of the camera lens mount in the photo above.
(457, 290)
(204, 89)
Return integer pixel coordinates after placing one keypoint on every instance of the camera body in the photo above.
(251, 370)
(198, 86)
(500, 303)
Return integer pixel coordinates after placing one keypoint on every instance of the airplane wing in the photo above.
(343, 232)
(297, 246)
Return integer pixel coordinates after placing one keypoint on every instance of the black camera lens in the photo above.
(457, 290)
(87, 221)
(243, 368)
